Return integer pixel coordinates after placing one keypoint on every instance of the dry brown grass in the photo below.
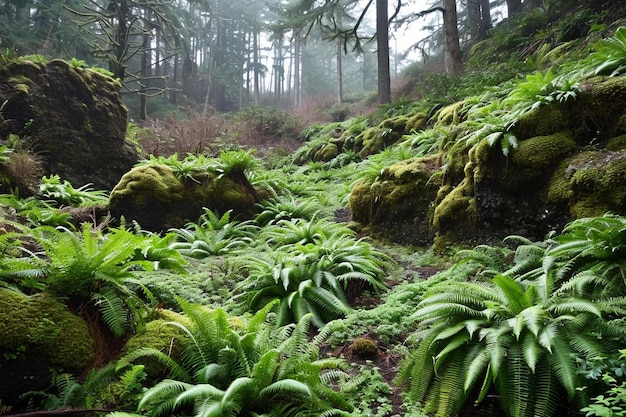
(23, 170)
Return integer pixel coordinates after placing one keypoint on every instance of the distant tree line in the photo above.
(224, 55)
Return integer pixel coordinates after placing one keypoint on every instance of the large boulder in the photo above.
(399, 202)
(71, 117)
(39, 336)
(157, 199)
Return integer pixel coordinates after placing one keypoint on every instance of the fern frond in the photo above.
(113, 310)
(173, 368)
(286, 388)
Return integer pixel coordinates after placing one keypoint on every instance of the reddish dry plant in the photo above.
(23, 171)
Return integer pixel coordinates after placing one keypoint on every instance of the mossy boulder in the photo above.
(328, 152)
(416, 122)
(157, 199)
(72, 117)
(399, 203)
(451, 114)
(39, 335)
(591, 183)
(602, 101)
(544, 121)
(377, 138)
(161, 334)
(455, 217)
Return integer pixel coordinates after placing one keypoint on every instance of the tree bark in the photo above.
(339, 73)
(255, 49)
(485, 18)
(513, 7)
(382, 43)
(452, 49)
(296, 71)
(473, 19)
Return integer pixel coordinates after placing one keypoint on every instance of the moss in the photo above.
(398, 205)
(591, 184)
(161, 335)
(456, 214)
(364, 348)
(536, 156)
(452, 114)
(21, 84)
(601, 107)
(156, 180)
(416, 122)
(327, 153)
(377, 138)
(616, 143)
(40, 325)
(542, 121)
(397, 123)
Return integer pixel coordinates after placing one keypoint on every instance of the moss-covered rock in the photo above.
(543, 121)
(162, 335)
(591, 183)
(73, 117)
(399, 203)
(377, 138)
(601, 103)
(416, 122)
(327, 153)
(451, 114)
(39, 335)
(531, 164)
(567, 163)
(455, 217)
(154, 197)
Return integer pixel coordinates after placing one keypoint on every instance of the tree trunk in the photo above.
(473, 22)
(339, 73)
(513, 7)
(143, 105)
(452, 49)
(485, 18)
(382, 43)
(255, 48)
(296, 71)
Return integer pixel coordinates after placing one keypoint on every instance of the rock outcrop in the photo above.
(568, 162)
(71, 117)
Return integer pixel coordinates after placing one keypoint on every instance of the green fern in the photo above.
(51, 188)
(527, 322)
(611, 56)
(242, 366)
(213, 235)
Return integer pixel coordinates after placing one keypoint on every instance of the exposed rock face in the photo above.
(71, 117)
(154, 197)
(569, 163)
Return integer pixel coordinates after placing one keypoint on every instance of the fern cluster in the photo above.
(308, 266)
(243, 366)
(90, 268)
(520, 328)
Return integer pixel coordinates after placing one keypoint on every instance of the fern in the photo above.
(251, 366)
